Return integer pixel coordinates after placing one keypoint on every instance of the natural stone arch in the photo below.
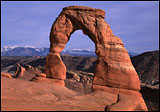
(113, 67)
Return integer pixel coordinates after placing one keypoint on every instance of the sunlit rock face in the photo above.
(55, 67)
(114, 71)
(113, 68)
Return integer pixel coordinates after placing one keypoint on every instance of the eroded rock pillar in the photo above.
(55, 68)
(60, 32)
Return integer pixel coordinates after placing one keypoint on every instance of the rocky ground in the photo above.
(22, 93)
(77, 95)
(17, 94)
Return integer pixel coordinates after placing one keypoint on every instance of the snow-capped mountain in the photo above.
(79, 52)
(7, 48)
(34, 51)
(23, 51)
(132, 54)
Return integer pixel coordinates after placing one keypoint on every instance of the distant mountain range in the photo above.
(23, 51)
(33, 51)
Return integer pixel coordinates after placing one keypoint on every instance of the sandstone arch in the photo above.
(113, 68)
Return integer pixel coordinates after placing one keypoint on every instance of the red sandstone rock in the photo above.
(20, 71)
(26, 72)
(76, 77)
(114, 67)
(55, 68)
(128, 103)
(48, 80)
(8, 75)
(127, 100)
(41, 75)
(116, 74)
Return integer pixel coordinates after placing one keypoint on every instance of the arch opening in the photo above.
(81, 62)
(114, 71)
(112, 58)
(79, 41)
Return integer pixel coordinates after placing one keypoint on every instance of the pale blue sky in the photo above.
(29, 23)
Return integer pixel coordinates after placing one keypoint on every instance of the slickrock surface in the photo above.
(48, 91)
(82, 85)
(23, 95)
(17, 94)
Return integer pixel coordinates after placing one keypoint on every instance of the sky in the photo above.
(136, 23)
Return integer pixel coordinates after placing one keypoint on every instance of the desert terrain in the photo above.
(30, 93)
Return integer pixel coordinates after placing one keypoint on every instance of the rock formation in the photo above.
(27, 72)
(114, 69)
(20, 71)
(8, 75)
(55, 68)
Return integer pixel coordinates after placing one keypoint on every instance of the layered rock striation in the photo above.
(113, 67)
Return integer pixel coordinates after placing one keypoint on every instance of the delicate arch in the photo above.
(113, 68)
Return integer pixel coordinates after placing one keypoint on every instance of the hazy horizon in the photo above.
(136, 23)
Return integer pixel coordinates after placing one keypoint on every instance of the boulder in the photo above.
(8, 75)
(19, 71)
(41, 75)
(25, 72)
